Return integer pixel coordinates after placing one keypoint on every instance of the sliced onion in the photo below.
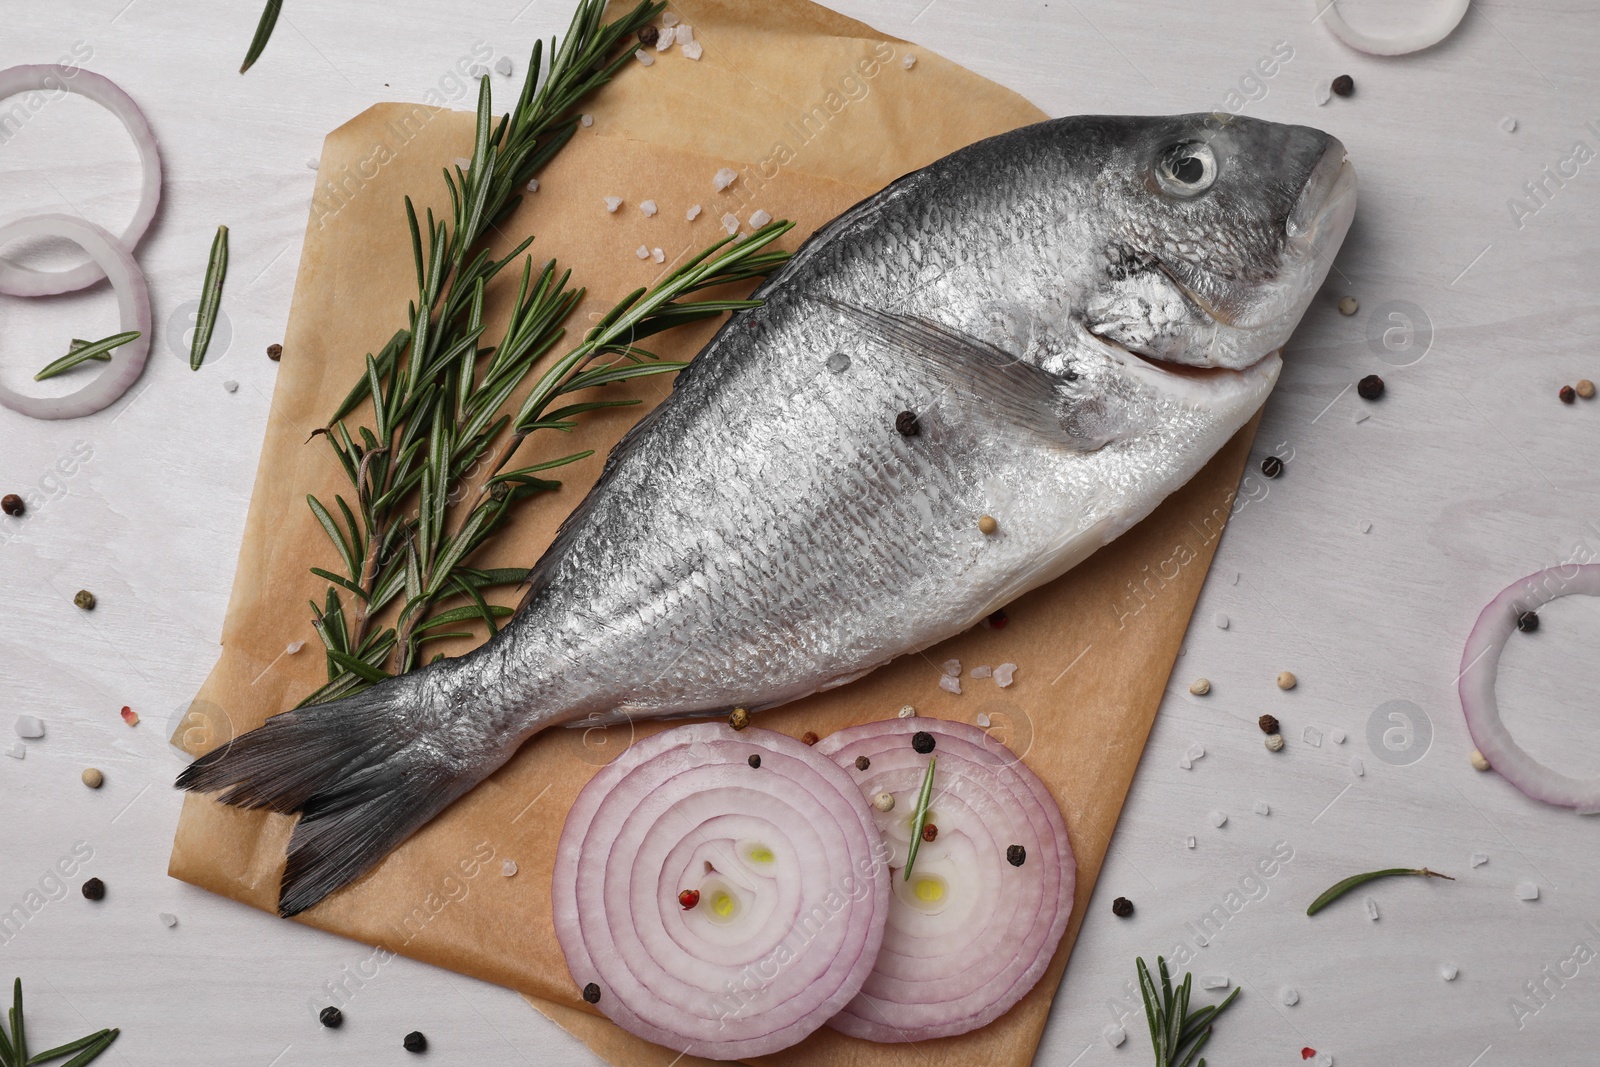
(133, 306)
(1480, 663)
(969, 934)
(18, 280)
(789, 868)
(1451, 12)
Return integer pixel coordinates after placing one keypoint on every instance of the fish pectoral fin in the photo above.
(977, 371)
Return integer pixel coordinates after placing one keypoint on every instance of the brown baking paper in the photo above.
(815, 111)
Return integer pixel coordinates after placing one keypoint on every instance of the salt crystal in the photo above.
(1214, 981)
(909, 61)
(1527, 891)
(1289, 997)
(691, 49)
(949, 684)
(642, 252)
(503, 66)
(29, 726)
(1004, 673)
(1323, 93)
(1196, 750)
(612, 203)
(1325, 1060)
(16, 751)
(533, 185)
(1115, 1035)
(724, 178)
(1508, 124)
(693, 213)
(313, 163)
(983, 670)
(1262, 808)
(760, 218)
(1366, 527)
(1372, 909)
(658, 255)
(1219, 819)
(1311, 736)
(1357, 768)
(664, 39)
(508, 868)
(294, 646)
(730, 222)
(231, 386)
(1448, 972)
(644, 57)
(649, 208)
(1185, 763)
(839, 362)
(1221, 620)
(983, 719)
(586, 119)
(907, 712)
(1188, 842)
(952, 667)
(1336, 735)
(684, 33)
(1479, 859)
(670, 20)
(168, 919)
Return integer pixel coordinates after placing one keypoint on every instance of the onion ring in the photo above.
(133, 305)
(17, 280)
(781, 868)
(973, 930)
(1450, 15)
(1480, 662)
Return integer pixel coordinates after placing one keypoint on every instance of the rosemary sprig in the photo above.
(428, 471)
(210, 298)
(14, 1050)
(258, 43)
(919, 817)
(1339, 889)
(82, 351)
(1176, 1033)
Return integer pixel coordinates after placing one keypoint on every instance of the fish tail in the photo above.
(358, 772)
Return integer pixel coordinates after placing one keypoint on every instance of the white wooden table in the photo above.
(1361, 569)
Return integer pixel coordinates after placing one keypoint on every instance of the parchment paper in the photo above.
(815, 111)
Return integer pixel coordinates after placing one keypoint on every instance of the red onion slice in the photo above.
(793, 893)
(1451, 12)
(970, 933)
(1480, 662)
(133, 306)
(18, 280)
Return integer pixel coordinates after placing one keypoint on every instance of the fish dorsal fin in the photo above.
(1003, 384)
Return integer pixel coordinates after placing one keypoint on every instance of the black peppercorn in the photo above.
(12, 504)
(1528, 621)
(591, 993)
(862, 763)
(415, 1042)
(1370, 387)
(1567, 394)
(1343, 85)
(754, 760)
(331, 1017)
(922, 742)
(1016, 855)
(1122, 907)
(1268, 724)
(1272, 466)
(649, 35)
(274, 352)
(94, 889)
(907, 425)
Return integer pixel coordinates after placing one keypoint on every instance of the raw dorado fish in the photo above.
(1076, 315)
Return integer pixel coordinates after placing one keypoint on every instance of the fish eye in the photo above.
(1187, 169)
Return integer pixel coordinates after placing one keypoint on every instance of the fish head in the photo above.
(1218, 230)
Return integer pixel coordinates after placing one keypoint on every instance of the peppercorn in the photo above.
(1586, 388)
(1343, 85)
(883, 801)
(1528, 621)
(591, 993)
(12, 504)
(93, 777)
(1268, 724)
(997, 620)
(929, 831)
(809, 738)
(1122, 907)
(1567, 394)
(907, 425)
(84, 599)
(274, 352)
(1370, 387)
(862, 763)
(415, 1042)
(1348, 305)
(649, 35)
(987, 525)
(1287, 680)
(739, 718)
(94, 889)
(499, 490)
(754, 760)
(1016, 855)
(1272, 466)
(1478, 761)
(1200, 686)
(1274, 742)
(686, 900)
(922, 742)
(331, 1017)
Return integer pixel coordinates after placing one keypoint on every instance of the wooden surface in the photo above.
(1469, 472)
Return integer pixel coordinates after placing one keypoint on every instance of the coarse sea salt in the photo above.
(1262, 808)
(1188, 842)
(1448, 972)
(1214, 981)
(313, 163)
(724, 178)
(1357, 768)
(508, 868)
(1311, 736)
(231, 386)
(760, 218)
(586, 119)
(983, 719)
(1336, 735)
(30, 726)
(533, 185)
(909, 61)
(1004, 674)
(294, 646)
(952, 667)
(982, 670)
(649, 209)
(693, 50)
(1221, 620)
(1372, 909)
(503, 66)
(669, 20)
(1219, 819)
(1527, 891)
(693, 213)
(1289, 997)
(730, 222)
(1114, 1035)
(658, 255)
(612, 203)
(644, 57)
(17, 751)
(949, 684)
(664, 39)
(1479, 859)
(684, 33)
(168, 919)
(642, 252)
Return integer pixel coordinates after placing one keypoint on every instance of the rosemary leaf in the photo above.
(210, 299)
(92, 1052)
(1339, 889)
(258, 43)
(83, 351)
(1176, 1034)
(69, 1048)
(19, 1033)
(919, 817)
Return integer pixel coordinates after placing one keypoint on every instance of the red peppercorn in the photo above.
(929, 832)
(809, 738)
(998, 620)
(12, 504)
(689, 898)
(1567, 394)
